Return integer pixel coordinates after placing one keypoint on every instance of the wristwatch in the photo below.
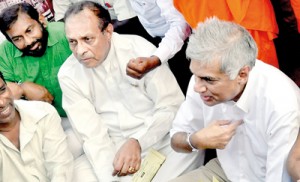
(188, 135)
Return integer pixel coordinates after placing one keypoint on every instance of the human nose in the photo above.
(2, 102)
(28, 40)
(80, 49)
(199, 86)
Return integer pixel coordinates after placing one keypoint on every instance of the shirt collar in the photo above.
(29, 117)
(245, 99)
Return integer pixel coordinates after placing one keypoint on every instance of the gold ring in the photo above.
(131, 169)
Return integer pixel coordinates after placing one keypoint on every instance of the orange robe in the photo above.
(257, 16)
(296, 7)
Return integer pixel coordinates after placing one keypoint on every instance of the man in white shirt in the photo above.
(33, 146)
(118, 118)
(169, 31)
(244, 108)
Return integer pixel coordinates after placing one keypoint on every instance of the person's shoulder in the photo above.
(7, 49)
(56, 29)
(70, 65)
(7, 45)
(56, 25)
(37, 109)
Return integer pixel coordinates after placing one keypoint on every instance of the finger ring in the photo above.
(131, 169)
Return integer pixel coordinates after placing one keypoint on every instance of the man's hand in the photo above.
(128, 158)
(216, 135)
(33, 91)
(138, 67)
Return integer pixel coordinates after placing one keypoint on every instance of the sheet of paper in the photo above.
(215, 179)
(149, 167)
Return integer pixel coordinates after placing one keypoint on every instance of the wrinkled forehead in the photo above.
(82, 20)
(81, 24)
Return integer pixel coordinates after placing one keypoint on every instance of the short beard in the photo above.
(38, 52)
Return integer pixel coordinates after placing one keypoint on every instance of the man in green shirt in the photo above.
(32, 55)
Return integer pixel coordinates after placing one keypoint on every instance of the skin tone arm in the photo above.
(215, 136)
(129, 155)
(293, 162)
(30, 91)
(138, 67)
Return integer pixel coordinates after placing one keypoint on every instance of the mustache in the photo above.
(28, 47)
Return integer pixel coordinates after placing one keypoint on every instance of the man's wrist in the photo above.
(188, 140)
(134, 139)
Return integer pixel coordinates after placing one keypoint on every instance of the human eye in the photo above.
(16, 39)
(29, 30)
(88, 40)
(3, 89)
(72, 42)
(209, 80)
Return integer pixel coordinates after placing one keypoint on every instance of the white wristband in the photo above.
(188, 135)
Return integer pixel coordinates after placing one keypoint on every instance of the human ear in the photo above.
(43, 20)
(244, 74)
(108, 31)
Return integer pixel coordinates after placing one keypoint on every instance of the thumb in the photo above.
(236, 123)
(223, 122)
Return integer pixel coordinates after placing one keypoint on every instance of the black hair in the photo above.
(96, 8)
(10, 15)
(2, 77)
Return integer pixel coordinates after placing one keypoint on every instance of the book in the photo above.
(149, 167)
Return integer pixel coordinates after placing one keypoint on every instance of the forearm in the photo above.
(294, 169)
(177, 33)
(179, 142)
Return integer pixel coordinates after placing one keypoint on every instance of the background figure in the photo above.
(288, 41)
(257, 16)
(33, 144)
(44, 7)
(123, 117)
(168, 31)
(246, 109)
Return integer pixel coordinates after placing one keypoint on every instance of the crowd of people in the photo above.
(89, 88)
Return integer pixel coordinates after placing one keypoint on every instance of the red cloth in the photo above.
(257, 16)
(296, 7)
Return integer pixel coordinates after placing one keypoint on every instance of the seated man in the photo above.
(244, 108)
(123, 117)
(33, 145)
(31, 57)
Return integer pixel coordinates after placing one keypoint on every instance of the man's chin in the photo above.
(38, 53)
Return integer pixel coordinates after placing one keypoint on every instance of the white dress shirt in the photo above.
(161, 19)
(118, 9)
(44, 154)
(270, 109)
(106, 107)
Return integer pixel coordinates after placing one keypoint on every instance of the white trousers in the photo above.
(175, 165)
(74, 143)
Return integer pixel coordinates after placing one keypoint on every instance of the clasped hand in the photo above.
(138, 67)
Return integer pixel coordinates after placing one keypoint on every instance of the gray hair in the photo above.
(224, 41)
